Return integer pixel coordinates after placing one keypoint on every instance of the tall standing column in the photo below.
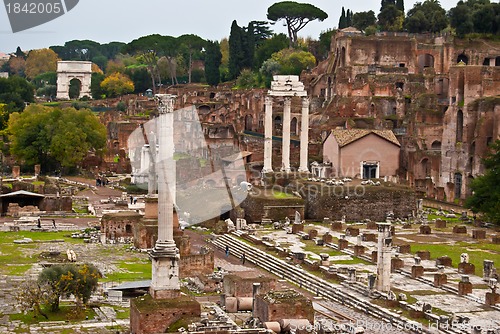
(285, 166)
(304, 136)
(384, 252)
(268, 136)
(165, 258)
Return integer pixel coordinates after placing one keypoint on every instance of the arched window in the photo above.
(436, 145)
(463, 58)
(458, 185)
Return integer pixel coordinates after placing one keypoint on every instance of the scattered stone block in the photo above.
(343, 244)
(369, 237)
(404, 249)
(440, 223)
(478, 234)
(460, 229)
(424, 254)
(396, 264)
(296, 228)
(352, 231)
(374, 256)
(336, 226)
(313, 234)
(440, 279)
(417, 271)
(464, 288)
(492, 298)
(444, 261)
(495, 239)
(466, 268)
(327, 238)
(359, 250)
(425, 229)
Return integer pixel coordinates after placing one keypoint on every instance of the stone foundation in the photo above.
(424, 229)
(492, 298)
(404, 249)
(336, 226)
(296, 228)
(417, 271)
(466, 268)
(424, 254)
(440, 223)
(478, 234)
(369, 237)
(327, 238)
(352, 231)
(464, 288)
(460, 229)
(440, 279)
(343, 244)
(359, 250)
(444, 261)
(241, 285)
(278, 305)
(149, 316)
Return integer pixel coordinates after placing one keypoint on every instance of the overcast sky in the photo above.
(124, 20)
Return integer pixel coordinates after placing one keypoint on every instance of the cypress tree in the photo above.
(400, 5)
(236, 52)
(343, 19)
(213, 58)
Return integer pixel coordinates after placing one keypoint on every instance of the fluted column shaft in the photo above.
(286, 135)
(304, 136)
(268, 135)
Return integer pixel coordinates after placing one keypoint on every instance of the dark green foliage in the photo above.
(95, 85)
(140, 77)
(474, 16)
(325, 39)
(20, 53)
(236, 51)
(428, 16)
(485, 196)
(343, 20)
(363, 20)
(261, 31)
(249, 45)
(400, 5)
(296, 16)
(274, 44)
(389, 17)
(56, 138)
(69, 279)
(15, 92)
(213, 58)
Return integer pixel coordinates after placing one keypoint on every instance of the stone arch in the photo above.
(248, 122)
(463, 58)
(293, 126)
(204, 109)
(400, 85)
(441, 87)
(497, 61)
(75, 88)
(425, 60)
(436, 145)
(70, 70)
(460, 126)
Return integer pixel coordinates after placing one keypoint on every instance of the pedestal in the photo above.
(440, 279)
(343, 243)
(417, 271)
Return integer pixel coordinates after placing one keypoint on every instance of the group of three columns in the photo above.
(268, 135)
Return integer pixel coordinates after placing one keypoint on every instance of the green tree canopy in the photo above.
(485, 196)
(55, 137)
(117, 84)
(475, 16)
(213, 58)
(15, 92)
(428, 16)
(294, 61)
(363, 20)
(69, 279)
(274, 44)
(390, 18)
(296, 15)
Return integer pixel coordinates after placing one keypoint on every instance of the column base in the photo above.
(303, 170)
(286, 170)
(265, 171)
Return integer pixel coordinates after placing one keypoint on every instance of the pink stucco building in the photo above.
(362, 153)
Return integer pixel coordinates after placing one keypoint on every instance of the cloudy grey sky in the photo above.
(124, 20)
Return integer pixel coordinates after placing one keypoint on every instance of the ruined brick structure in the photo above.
(439, 95)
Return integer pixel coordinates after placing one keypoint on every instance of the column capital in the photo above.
(305, 101)
(268, 100)
(287, 101)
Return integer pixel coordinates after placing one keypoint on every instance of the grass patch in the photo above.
(133, 270)
(66, 312)
(454, 251)
(281, 195)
